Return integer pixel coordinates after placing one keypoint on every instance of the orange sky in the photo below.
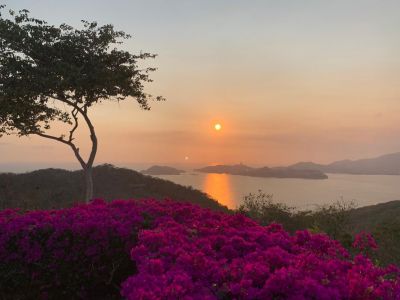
(288, 82)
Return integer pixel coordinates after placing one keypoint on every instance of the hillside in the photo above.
(278, 172)
(56, 188)
(368, 217)
(388, 164)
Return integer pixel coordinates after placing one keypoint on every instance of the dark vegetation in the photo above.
(383, 221)
(340, 220)
(56, 188)
(277, 172)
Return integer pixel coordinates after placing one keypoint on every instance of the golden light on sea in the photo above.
(219, 187)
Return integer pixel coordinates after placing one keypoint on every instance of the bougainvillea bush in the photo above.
(80, 252)
(151, 249)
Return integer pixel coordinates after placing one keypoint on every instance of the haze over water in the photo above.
(229, 190)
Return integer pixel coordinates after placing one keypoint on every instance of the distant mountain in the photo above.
(162, 170)
(279, 172)
(282, 172)
(388, 164)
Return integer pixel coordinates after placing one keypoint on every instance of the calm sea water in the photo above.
(300, 193)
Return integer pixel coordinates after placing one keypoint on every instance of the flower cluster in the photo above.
(149, 249)
(365, 241)
(193, 253)
(70, 253)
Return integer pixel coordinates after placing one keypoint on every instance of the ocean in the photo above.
(229, 190)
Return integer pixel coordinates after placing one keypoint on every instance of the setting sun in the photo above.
(308, 94)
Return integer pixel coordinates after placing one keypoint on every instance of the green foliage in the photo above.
(383, 221)
(332, 219)
(387, 236)
(262, 208)
(56, 73)
(42, 64)
(340, 220)
(369, 217)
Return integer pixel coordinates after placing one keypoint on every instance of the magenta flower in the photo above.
(168, 250)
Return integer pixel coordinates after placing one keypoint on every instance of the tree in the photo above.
(56, 74)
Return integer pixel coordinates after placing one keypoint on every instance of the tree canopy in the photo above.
(43, 66)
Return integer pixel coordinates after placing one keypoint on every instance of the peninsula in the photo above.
(162, 170)
(277, 172)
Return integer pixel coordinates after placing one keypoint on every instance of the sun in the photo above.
(217, 127)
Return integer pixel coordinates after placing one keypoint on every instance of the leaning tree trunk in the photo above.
(88, 172)
(87, 166)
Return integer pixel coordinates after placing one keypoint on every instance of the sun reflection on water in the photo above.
(219, 187)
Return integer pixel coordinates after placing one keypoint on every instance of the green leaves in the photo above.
(41, 64)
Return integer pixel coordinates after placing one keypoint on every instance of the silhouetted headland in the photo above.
(278, 172)
(162, 170)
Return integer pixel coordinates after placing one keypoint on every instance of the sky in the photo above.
(288, 81)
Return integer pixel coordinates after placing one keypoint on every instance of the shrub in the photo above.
(333, 219)
(387, 235)
(81, 252)
(262, 208)
(149, 249)
(197, 254)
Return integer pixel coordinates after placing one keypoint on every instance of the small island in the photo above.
(162, 170)
(277, 172)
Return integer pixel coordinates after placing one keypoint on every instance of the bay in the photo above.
(229, 190)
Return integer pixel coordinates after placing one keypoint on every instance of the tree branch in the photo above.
(83, 112)
(69, 143)
(47, 136)
(71, 132)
